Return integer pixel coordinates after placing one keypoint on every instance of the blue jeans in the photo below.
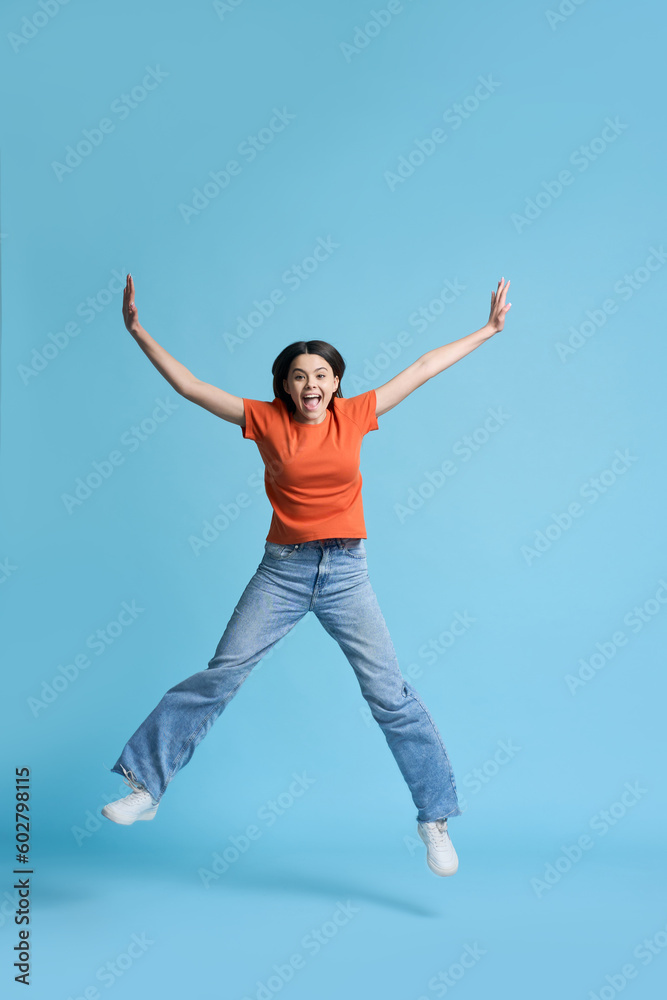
(329, 577)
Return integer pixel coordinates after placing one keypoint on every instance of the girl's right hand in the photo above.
(130, 315)
(499, 310)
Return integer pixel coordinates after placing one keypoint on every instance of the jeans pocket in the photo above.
(355, 548)
(277, 551)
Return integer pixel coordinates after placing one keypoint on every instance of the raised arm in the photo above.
(217, 401)
(435, 361)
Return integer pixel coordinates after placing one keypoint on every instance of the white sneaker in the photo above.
(140, 804)
(440, 854)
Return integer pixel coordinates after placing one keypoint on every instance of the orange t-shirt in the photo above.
(312, 476)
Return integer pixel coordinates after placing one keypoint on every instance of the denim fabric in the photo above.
(330, 578)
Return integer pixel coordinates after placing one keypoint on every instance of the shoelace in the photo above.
(439, 832)
(130, 779)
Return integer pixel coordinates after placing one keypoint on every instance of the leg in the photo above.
(166, 740)
(354, 619)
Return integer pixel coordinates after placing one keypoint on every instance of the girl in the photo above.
(314, 559)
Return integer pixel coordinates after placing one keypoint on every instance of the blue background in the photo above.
(467, 213)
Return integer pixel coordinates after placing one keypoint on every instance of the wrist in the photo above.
(137, 330)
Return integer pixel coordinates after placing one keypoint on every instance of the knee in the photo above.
(408, 690)
(389, 704)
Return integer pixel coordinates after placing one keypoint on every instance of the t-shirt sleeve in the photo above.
(258, 416)
(361, 409)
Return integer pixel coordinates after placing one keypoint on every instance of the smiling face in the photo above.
(310, 376)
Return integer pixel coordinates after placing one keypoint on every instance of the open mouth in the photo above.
(311, 401)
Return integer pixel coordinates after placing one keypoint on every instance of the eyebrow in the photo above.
(320, 369)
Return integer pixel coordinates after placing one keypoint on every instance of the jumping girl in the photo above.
(309, 437)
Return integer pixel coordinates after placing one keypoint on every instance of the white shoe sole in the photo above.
(434, 868)
(123, 818)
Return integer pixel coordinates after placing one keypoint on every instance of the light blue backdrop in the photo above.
(433, 148)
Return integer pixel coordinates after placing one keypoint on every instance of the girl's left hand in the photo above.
(498, 308)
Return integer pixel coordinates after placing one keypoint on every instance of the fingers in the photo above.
(498, 306)
(503, 289)
(129, 308)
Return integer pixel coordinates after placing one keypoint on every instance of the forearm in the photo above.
(439, 358)
(178, 376)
